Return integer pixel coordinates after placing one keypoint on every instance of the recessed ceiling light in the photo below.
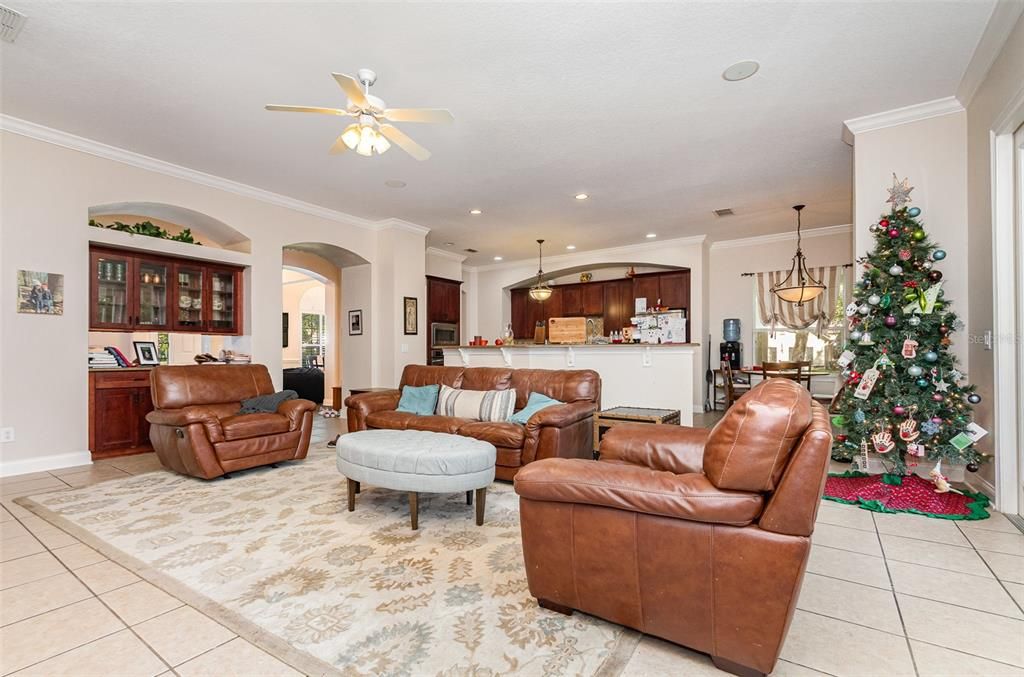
(474, 212)
(394, 183)
(497, 258)
(740, 71)
(651, 236)
(581, 196)
(570, 246)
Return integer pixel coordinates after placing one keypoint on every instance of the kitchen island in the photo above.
(632, 374)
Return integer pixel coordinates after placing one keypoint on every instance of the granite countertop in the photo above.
(491, 346)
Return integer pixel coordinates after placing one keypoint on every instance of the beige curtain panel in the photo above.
(774, 311)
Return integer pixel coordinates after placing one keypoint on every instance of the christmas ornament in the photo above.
(934, 275)
(961, 441)
(851, 309)
(974, 398)
(847, 356)
(873, 228)
(882, 442)
(931, 356)
(918, 235)
(956, 374)
(926, 265)
(865, 339)
(895, 269)
(938, 397)
(975, 431)
(884, 223)
(867, 383)
(890, 320)
(973, 467)
(898, 410)
(841, 438)
(899, 194)
(943, 329)
(883, 361)
(940, 480)
(909, 349)
(915, 449)
(839, 421)
(909, 431)
(874, 299)
(855, 335)
(941, 385)
(886, 300)
(922, 383)
(937, 420)
(894, 233)
(914, 212)
(915, 370)
(929, 428)
(858, 416)
(864, 310)
(938, 254)
(905, 254)
(914, 321)
(945, 342)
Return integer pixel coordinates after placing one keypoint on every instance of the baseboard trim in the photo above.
(976, 483)
(44, 463)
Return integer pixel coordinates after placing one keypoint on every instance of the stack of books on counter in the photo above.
(106, 358)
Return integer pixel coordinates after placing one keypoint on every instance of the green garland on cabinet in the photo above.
(149, 229)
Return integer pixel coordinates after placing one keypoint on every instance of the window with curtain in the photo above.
(314, 339)
(814, 332)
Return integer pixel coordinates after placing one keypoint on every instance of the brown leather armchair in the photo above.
(699, 537)
(196, 430)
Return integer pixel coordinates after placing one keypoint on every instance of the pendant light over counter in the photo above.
(540, 291)
(799, 285)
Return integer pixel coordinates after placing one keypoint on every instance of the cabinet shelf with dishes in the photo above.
(133, 291)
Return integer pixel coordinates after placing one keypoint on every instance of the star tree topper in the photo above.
(899, 194)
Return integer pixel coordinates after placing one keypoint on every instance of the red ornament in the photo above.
(910, 284)
(905, 255)
(840, 438)
(894, 232)
(884, 223)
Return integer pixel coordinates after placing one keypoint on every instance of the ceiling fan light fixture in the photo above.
(381, 145)
(799, 285)
(350, 137)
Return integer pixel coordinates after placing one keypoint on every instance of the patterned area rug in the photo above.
(274, 554)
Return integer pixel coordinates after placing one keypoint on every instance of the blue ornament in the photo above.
(938, 254)
(914, 212)
(929, 428)
(931, 356)
(922, 382)
(858, 416)
(974, 398)
(915, 370)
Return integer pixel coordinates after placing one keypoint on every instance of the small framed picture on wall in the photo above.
(411, 315)
(355, 323)
(146, 353)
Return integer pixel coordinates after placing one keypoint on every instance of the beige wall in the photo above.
(1003, 82)
(47, 191)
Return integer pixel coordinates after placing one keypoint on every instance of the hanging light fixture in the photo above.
(363, 137)
(799, 285)
(540, 291)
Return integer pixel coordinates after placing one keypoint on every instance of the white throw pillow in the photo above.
(479, 405)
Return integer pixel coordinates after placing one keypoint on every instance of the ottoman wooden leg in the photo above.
(469, 498)
(414, 510)
(359, 487)
(353, 487)
(481, 498)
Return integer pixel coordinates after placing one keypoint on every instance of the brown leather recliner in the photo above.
(564, 430)
(196, 430)
(696, 536)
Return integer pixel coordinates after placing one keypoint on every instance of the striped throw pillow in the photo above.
(478, 405)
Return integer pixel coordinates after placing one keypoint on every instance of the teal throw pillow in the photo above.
(533, 405)
(420, 401)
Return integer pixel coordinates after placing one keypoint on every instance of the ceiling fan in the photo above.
(372, 131)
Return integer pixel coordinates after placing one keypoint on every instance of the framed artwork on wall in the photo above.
(146, 353)
(355, 323)
(411, 315)
(40, 293)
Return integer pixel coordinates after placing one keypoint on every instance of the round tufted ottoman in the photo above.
(417, 461)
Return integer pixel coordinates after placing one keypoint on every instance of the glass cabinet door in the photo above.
(223, 301)
(151, 280)
(188, 297)
(111, 304)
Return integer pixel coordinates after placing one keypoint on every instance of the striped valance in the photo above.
(774, 311)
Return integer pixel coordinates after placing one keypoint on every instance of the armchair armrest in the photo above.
(187, 416)
(673, 448)
(295, 410)
(561, 415)
(364, 404)
(690, 496)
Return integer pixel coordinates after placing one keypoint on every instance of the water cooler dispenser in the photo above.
(731, 350)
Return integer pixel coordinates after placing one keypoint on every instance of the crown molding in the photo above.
(781, 237)
(610, 251)
(64, 139)
(444, 254)
(998, 29)
(900, 116)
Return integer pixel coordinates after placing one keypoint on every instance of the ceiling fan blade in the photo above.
(402, 140)
(339, 146)
(438, 115)
(353, 90)
(307, 109)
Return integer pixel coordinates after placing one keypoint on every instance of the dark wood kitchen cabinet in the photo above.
(675, 290)
(618, 305)
(443, 300)
(119, 400)
(647, 287)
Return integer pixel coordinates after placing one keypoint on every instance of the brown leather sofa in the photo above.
(195, 428)
(696, 536)
(564, 430)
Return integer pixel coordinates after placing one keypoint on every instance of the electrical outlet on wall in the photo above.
(6, 434)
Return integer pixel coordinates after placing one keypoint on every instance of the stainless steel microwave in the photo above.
(444, 334)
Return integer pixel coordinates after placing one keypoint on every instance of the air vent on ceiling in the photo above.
(11, 23)
(723, 212)
(470, 250)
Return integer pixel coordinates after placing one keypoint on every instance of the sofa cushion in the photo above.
(500, 434)
(244, 426)
(477, 405)
(389, 419)
(419, 400)
(175, 387)
(536, 402)
(486, 378)
(425, 375)
(436, 424)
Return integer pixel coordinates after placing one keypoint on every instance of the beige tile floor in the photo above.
(883, 595)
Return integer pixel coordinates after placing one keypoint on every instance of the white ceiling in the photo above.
(624, 101)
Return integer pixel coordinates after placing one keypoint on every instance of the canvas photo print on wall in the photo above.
(40, 293)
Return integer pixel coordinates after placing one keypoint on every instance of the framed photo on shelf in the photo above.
(146, 353)
(355, 323)
(411, 315)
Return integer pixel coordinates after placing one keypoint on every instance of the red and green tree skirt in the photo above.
(904, 398)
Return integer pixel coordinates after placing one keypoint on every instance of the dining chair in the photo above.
(732, 388)
(794, 371)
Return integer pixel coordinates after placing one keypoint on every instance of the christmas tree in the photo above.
(903, 398)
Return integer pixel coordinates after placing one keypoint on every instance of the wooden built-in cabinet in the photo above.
(119, 400)
(131, 291)
(613, 300)
(444, 304)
